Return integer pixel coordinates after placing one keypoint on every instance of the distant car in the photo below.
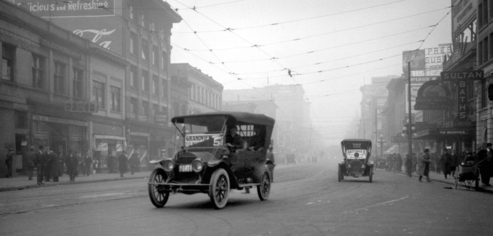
(206, 165)
(290, 159)
(356, 161)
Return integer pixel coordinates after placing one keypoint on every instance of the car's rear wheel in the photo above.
(263, 189)
(340, 175)
(219, 189)
(157, 193)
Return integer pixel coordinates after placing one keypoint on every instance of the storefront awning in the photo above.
(445, 133)
(393, 149)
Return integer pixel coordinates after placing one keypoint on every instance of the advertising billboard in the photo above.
(99, 21)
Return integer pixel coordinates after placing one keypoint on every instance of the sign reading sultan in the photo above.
(459, 75)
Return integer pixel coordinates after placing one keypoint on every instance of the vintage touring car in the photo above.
(213, 160)
(356, 161)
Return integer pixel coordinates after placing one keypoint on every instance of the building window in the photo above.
(164, 61)
(78, 85)
(131, 12)
(59, 78)
(155, 85)
(133, 105)
(143, 21)
(133, 76)
(145, 108)
(155, 108)
(20, 119)
(145, 81)
(38, 73)
(485, 49)
(485, 11)
(165, 89)
(151, 27)
(133, 44)
(155, 55)
(145, 50)
(480, 15)
(98, 94)
(480, 53)
(8, 53)
(115, 98)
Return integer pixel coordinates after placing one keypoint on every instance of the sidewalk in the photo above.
(450, 180)
(21, 182)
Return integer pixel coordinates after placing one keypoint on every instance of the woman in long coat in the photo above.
(424, 165)
(122, 163)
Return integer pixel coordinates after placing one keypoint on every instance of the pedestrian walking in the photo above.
(71, 162)
(87, 164)
(54, 162)
(48, 165)
(31, 155)
(122, 163)
(40, 162)
(134, 162)
(9, 159)
(424, 166)
(446, 162)
(484, 158)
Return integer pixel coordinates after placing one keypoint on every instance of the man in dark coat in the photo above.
(134, 162)
(48, 165)
(40, 162)
(54, 163)
(122, 163)
(87, 165)
(31, 155)
(9, 159)
(446, 163)
(71, 162)
(485, 157)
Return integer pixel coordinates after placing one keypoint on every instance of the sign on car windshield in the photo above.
(203, 140)
(361, 153)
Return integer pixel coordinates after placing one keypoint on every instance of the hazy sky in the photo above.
(331, 47)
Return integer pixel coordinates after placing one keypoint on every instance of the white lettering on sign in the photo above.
(191, 139)
(98, 34)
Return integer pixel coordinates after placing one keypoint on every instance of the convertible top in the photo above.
(240, 117)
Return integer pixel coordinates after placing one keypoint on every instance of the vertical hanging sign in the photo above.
(462, 104)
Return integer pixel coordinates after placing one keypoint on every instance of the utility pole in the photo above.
(410, 138)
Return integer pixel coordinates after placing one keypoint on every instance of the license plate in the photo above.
(185, 168)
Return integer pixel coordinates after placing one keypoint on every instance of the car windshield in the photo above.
(207, 131)
(350, 153)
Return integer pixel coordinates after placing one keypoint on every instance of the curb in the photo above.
(14, 188)
(479, 189)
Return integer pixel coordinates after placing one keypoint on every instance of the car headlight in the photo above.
(197, 166)
(168, 165)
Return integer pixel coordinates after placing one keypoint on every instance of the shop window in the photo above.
(8, 53)
(77, 85)
(20, 120)
(116, 99)
(99, 94)
(59, 78)
(38, 71)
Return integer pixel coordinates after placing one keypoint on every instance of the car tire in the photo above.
(371, 174)
(340, 176)
(219, 188)
(263, 189)
(158, 195)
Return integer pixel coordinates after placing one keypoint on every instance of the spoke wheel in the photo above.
(219, 189)
(263, 189)
(157, 193)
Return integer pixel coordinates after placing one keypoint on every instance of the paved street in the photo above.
(306, 199)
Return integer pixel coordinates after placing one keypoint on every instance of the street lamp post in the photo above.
(381, 141)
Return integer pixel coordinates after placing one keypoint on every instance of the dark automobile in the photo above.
(356, 162)
(207, 165)
(290, 159)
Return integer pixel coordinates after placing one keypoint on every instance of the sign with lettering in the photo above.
(99, 21)
(462, 103)
(463, 12)
(207, 140)
(59, 120)
(84, 106)
(459, 75)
